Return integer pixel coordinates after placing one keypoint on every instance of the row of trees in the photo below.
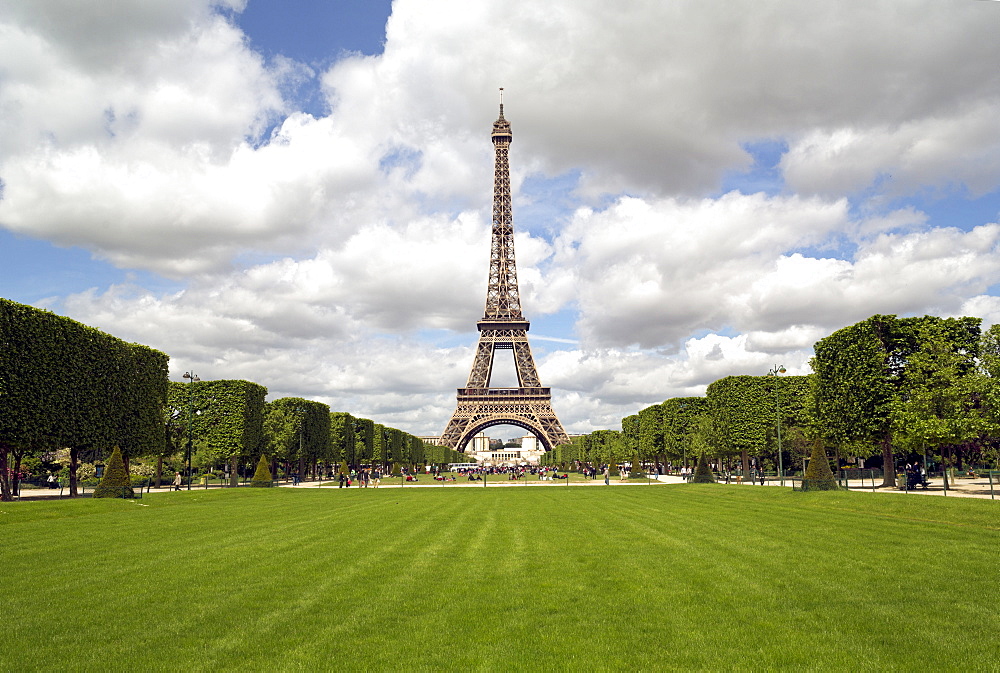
(234, 425)
(64, 384)
(885, 386)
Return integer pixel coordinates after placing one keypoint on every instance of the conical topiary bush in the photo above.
(702, 474)
(819, 476)
(262, 477)
(116, 482)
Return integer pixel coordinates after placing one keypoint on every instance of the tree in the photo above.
(606, 447)
(630, 438)
(364, 433)
(226, 415)
(792, 403)
(650, 430)
(297, 431)
(417, 452)
(742, 411)
(342, 437)
(989, 392)
(379, 442)
(859, 374)
(678, 415)
(937, 406)
(116, 482)
(64, 384)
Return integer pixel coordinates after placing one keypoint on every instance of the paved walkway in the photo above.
(963, 487)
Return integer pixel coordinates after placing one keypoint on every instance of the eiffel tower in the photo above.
(503, 327)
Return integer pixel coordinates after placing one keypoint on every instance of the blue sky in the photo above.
(313, 32)
(298, 193)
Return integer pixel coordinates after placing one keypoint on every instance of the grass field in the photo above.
(684, 576)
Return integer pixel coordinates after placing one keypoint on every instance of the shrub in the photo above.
(819, 476)
(116, 482)
(702, 474)
(262, 477)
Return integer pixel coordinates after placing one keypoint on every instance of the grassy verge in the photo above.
(685, 576)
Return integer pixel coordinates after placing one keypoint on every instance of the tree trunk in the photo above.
(234, 477)
(888, 464)
(746, 464)
(5, 493)
(74, 462)
(159, 470)
(17, 471)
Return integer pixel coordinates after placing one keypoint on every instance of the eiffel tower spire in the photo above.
(503, 327)
(502, 299)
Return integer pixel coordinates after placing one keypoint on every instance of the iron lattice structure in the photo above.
(503, 327)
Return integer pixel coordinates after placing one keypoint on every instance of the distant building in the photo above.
(480, 443)
(528, 453)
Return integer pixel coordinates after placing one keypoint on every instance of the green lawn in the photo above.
(682, 576)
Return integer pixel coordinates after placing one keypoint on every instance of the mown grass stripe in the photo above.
(685, 576)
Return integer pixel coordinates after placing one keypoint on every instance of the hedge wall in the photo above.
(64, 384)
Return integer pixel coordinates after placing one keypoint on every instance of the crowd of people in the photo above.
(365, 477)
(511, 472)
(362, 477)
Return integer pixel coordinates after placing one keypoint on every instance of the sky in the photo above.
(299, 192)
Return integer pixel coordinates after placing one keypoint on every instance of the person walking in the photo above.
(607, 475)
(177, 481)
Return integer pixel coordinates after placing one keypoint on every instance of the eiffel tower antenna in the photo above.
(503, 327)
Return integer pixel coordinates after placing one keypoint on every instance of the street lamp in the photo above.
(684, 448)
(192, 377)
(301, 413)
(778, 369)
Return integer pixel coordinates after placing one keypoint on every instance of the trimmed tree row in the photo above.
(919, 386)
(64, 384)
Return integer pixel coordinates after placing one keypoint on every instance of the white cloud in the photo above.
(651, 272)
(943, 153)
(136, 134)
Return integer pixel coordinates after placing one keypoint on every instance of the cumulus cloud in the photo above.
(136, 133)
(343, 256)
(958, 150)
(651, 272)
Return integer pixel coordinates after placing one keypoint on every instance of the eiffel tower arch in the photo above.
(503, 327)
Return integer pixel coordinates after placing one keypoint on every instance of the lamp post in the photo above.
(301, 413)
(192, 377)
(778, 369)
(684, 448)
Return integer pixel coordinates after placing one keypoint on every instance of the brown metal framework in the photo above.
(503, 327)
